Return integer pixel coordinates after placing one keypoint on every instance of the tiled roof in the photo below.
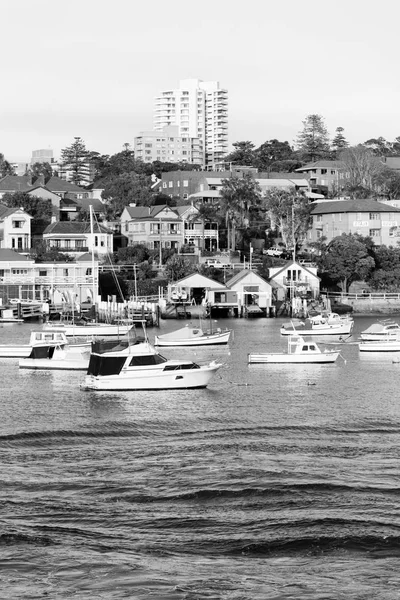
(56, 184)
(16, 183)
(351, 206)
(12, 255)
(74, 228)
(5, 211)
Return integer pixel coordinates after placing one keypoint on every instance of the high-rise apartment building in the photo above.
(42, 156)
(167, 145)
(200, 110)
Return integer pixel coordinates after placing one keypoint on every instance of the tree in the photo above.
(362, 165)
(274, 155)
(379, 146)
(206, 213)
(38, 208)
(243, 154)
(132, 254)
(346, 259)
(313, 140)
(76, 158)
(388, 182)
(5, 167)
(41, 252)
(289, 212)
(42, 169)
(339, 142)
(240, 196)
(125, 189)
(178, 267)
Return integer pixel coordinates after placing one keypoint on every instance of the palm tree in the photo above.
(239, 197)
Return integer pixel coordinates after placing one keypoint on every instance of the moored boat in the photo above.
(299, 351)
(193, 336)
(388, 345)
(37, 338)
(89, 328)
(137, 365)
(326, 323)
(381, 331)
(61, 356)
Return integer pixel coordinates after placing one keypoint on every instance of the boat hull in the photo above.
(345, 329)
(53, 365)
(98, 330)
(206, 340)
(388, 346)
(15, 351)
(146, 379)
(287, 359)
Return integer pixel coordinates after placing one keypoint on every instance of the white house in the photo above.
(294, 279)
(74, 237)
(21, 277)
(252, 290)
(15, 228)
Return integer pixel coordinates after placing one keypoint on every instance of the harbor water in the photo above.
(275, 482)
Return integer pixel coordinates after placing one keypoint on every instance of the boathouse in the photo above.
(245, 294)
(294, 280)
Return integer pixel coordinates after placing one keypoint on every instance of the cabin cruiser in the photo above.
(135, 364)
(325, 323)
(298, 351)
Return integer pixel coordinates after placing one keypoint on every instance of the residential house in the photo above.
(21, 277)
(165, 226)
(327, 175)
(294, 280)
(205, 186)
(15, 228)
(366, 217)
(74, 237)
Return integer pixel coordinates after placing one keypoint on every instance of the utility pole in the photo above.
(160, 255)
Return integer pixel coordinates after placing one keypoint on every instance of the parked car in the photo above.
(274, 251)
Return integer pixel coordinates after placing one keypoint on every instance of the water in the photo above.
(276, 482)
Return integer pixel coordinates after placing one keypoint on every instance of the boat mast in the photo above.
(94, 291)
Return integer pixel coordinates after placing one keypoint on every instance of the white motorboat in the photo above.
(89, 329)
(193, 336)
(388, 345)
(37, 338)
(137, 365)
(326, 323)
(381, 331)
(57, 356)
(299, 351)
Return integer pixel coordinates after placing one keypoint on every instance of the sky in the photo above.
(91, 68)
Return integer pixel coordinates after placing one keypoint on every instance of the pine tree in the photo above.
(313, 141)
(75, 158)
(339, 142)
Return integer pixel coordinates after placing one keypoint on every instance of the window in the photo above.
(185, 183)
(170, 184)
(164, 184)
(324, 171)
(374, 233)
(65, 272)
(42, 273)
(393, 232)
(18, 224)
(96, 240)
(148, 145)
(374, 216)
